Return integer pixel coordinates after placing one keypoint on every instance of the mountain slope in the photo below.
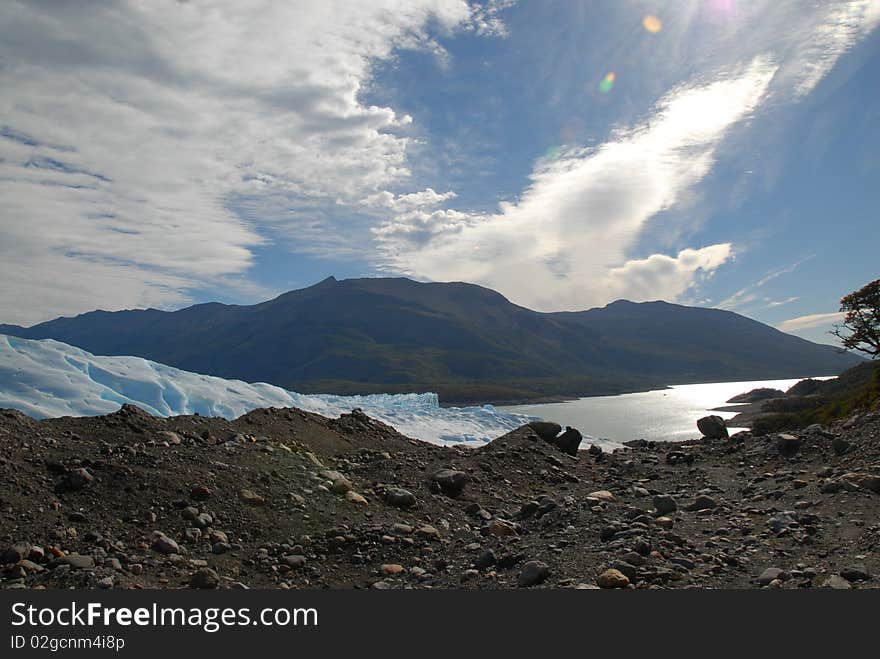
(462, 340)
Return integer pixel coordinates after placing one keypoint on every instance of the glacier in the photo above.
(47, 378)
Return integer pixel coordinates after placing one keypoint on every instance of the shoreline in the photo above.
(570, 399)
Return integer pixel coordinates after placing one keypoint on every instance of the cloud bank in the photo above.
(133, 134)
(566, 243)
(149, 150)
(813, 320)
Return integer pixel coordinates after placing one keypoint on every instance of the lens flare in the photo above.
(652, 24)
(552, 153)
(607, 82)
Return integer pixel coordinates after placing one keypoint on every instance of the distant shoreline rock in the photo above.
(756, 395)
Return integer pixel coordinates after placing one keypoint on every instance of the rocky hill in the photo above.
(282, 498)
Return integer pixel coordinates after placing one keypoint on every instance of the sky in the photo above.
(718, 153)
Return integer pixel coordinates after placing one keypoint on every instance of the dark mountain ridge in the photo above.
(467, 342)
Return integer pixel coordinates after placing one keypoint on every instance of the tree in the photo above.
(860, 329)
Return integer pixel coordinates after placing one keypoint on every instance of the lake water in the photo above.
(661, 415)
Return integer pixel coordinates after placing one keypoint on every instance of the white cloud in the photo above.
(566, 242)
(813, 320)
(749, 294)
(836, 30)
(664, 277)
(772, 304)
(150, 148)
(405, 203)
(132, 132)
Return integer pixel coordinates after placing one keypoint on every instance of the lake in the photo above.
(660, 415)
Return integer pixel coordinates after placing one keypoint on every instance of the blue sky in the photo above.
(713, 152)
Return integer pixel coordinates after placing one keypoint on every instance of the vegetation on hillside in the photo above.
(815, 401)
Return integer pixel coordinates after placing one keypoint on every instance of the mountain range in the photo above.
(466, 342)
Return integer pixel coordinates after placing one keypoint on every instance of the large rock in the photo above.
(450, 481)
(569, 441)
(756, 395)
(712, 427)
(546, 430)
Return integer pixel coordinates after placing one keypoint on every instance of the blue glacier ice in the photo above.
(49, 379)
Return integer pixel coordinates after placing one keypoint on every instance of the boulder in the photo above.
(713, 427)
(450, 481)
(569, 441)
(546, 430)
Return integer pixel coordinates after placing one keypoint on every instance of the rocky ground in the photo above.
(288, 499)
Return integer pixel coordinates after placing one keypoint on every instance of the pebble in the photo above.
(500, 528)
(855, 573)
(770, 574)
(612, 578)
(79, 478)
(165, 545)
(428, 533)
(204, 578)
(201, 493)
(702, 502)
(354, 497)
(16, 552)
(836, 582)
(664, 504)
(251, 498)
(79, 561)
(450, 481)
(399, 498)
(532, 574)
(485, 560)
